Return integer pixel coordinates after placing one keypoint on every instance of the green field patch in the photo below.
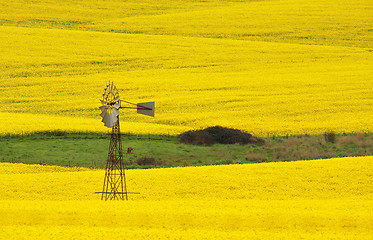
(90, 149)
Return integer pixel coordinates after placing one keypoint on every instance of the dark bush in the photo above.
(329, 137)
(218, 134)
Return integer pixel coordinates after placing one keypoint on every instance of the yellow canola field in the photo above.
(320, 199)
(267, 67)
(264, 88)
(320, 22)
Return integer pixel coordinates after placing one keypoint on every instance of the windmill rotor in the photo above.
(110, 105)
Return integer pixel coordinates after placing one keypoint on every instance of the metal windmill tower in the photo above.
(115, 187)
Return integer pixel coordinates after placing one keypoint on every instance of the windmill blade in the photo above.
(117, 99)
(146, 108)
(113, 119)
(116, 106)
(106, 118)
(103, 108)
(109, 122)
(106, 121)
(103, 113)
(107, 125)
(116, 112)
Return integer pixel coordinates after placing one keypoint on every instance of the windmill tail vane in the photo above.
(146, 108)
(115, 187)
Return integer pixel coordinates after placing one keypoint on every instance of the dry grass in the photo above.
(367, 143)
(256, 157)
(347, 140)
(268, 144)
(360, 136)
(280, 152)
(315, 147)
(359, 139)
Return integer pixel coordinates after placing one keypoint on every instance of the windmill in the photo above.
(115, 180)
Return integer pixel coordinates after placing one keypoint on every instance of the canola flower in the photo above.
(250, 65)
(326, 199)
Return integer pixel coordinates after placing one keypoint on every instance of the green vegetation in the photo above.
(90, 149)
(218, 134)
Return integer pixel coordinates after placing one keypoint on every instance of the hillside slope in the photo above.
(268, 67)
(329, 198)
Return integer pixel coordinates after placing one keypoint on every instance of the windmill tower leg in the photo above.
(115, 180)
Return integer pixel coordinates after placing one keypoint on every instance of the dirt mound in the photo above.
(218, 134)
